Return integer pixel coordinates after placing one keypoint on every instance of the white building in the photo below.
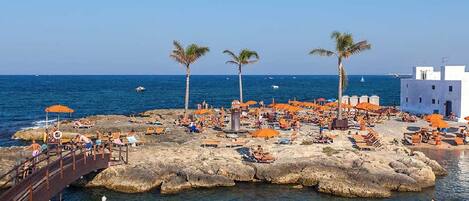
(430, 91)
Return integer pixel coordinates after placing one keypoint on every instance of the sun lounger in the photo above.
(210, 143)
(458, 141)
(160, 130)
(78, 124)
(364, 146)
(237, 143)
(263, 157)
(133, 119)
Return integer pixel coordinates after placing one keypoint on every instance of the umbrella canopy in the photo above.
(335, 104)
(251, 102)
(466, 118)
(59, 109)
(367, 106)
(203, 111)
(434, 117)
(266, 132)
(439, 124)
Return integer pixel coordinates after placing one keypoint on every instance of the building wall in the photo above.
(464, 99)
(413, 90)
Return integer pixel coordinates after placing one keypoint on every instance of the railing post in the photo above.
(94, 152)
(73, 157)
(120, 152)
(16, 175)
(30, 192)
(61, 164)
(126, 154)
(102, 151)
(84, 155)
(47, 169)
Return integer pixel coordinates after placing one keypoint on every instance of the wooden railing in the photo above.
(43, 176)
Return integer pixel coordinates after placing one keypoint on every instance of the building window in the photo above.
(438, 102)
(433, 87)
(433, 101)
(424, 75)
(407, 85)
(420, 100)
(450, 88)
(406, 99)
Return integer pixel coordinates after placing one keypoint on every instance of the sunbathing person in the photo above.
(132, 139)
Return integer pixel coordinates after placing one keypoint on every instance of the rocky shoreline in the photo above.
(175, 161)
(346, 173)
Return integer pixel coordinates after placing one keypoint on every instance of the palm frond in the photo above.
(232, 62)
(359, 47)
(230, 53)
(321, 52)
(245, 56)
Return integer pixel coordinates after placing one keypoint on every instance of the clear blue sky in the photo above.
(135, 37)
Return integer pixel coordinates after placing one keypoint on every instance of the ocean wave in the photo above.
(39, 124)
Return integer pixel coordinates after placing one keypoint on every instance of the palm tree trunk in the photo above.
(339, 96)
(240, 85)
(186, 101)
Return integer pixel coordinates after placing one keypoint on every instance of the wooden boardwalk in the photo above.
(42, 177)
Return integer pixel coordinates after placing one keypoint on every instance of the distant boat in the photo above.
(294, 77)
(362, 80)
(140, 89)
(227, 78)
(271, 78)
(274, 87)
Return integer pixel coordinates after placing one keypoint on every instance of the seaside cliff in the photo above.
(175, 161)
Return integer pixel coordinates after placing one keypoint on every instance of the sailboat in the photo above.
(362, 80)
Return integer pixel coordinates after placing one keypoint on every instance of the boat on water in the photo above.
(274, 86)
(362, 80)
(140, 89)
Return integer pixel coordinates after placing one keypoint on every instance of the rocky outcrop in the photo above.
(347, 174)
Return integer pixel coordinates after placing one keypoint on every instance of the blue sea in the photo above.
(24, 98)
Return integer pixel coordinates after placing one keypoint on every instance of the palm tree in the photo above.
(186, 57)
(246, 56)
(345, 47)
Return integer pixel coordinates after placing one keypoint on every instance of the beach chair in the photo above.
(133, 119)
(160, 130)
(458, 141)
(150, 131)
(78, 124)
(116, 138)
(364, 146)
(237, 143)
(416, 139)
(210, 143)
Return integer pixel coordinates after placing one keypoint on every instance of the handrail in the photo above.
(33, 164)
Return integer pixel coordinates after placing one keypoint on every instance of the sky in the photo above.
(114, 37)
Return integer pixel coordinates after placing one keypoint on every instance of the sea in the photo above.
(23, 99)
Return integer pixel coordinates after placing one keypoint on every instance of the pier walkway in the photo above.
(42, 177)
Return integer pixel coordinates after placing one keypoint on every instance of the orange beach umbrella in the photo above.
(466, 118)
(251, 102)
(57, 109)
(439, 124)
(202, 111)
(266, 133)
(434, 117)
